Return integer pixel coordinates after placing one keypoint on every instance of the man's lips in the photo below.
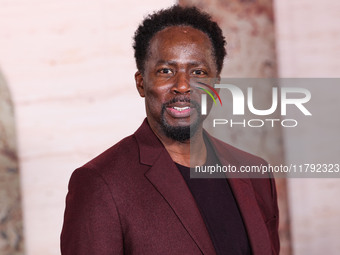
(179, 109)
(179, 112)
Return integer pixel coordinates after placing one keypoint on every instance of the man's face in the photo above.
(176, 55)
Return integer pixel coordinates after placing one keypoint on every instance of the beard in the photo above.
(180, 133)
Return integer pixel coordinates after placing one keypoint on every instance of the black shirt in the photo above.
(219, 210)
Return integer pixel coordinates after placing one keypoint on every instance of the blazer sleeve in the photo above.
(91, 221)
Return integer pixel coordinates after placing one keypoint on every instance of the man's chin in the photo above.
(180, 132)
(180, 129)
(177, 133)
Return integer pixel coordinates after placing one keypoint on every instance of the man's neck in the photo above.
(190, 152)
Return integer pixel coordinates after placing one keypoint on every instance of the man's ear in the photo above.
(140, 83)
(217, 81)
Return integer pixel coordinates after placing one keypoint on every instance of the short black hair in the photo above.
(178, 16)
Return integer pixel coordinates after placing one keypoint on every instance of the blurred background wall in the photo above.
(70, 68)
(308, 45)
(11, 232)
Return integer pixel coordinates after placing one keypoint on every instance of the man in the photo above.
(137, 197)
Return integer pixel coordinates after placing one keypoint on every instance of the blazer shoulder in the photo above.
(120, 155)
(239, 155)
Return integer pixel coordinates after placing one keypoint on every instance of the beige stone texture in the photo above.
(308, 43)
(11, 233)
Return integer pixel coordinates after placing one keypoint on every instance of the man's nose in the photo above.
(182, 84)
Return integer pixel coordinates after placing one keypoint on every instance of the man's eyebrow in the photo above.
(198, 63)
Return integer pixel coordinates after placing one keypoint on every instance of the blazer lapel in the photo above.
(169, 182)
(251, 214)
(246, 200)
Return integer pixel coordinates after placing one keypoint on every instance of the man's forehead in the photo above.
(181, 44)
(178, 37)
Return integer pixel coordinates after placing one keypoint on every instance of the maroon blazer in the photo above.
(132, 199)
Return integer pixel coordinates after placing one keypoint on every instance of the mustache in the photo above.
(193, 103)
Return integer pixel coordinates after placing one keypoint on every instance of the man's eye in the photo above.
(165, 71)
(199, 72)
